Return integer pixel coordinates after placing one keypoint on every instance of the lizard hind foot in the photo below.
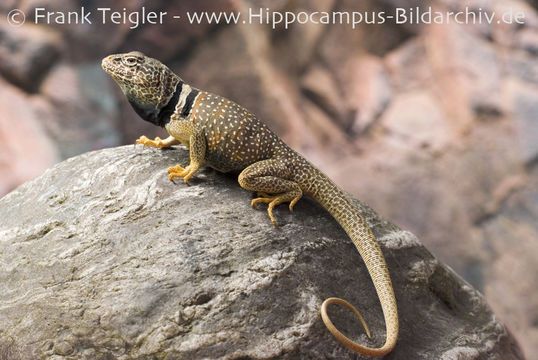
(274, 200)
(267, 200)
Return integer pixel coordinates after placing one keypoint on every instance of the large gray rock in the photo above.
(102, 257)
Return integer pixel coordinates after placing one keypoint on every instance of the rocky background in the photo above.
(436, 127)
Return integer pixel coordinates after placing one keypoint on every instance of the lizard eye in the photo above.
(130, 61)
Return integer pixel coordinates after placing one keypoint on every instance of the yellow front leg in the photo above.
(157, 142)
(197, 147)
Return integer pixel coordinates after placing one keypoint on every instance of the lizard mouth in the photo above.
(105, 64)
(108, 64)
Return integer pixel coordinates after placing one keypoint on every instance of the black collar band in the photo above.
(189, 102)
(167, 111)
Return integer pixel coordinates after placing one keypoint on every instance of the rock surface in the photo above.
(103, 257)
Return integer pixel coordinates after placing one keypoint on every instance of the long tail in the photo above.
(323, 190)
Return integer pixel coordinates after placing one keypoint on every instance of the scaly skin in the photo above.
(222, 134)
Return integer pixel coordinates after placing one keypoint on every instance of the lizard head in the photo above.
(148, 84)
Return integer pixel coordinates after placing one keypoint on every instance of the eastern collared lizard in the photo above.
(223, 135)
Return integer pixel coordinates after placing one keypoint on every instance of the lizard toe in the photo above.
(175, 169)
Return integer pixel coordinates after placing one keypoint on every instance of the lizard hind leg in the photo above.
(272, 188)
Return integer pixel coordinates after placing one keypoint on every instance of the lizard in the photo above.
(225, 136)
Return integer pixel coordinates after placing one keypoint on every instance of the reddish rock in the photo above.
(523, 99)
(510, 238)
(367, 90)
(27, 53)
(415, 120)
(320, 86)
(78, 107)
(527, 39)
(408, 65)
(175, 35)
(26, 149)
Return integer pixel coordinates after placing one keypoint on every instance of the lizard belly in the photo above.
(223, 163)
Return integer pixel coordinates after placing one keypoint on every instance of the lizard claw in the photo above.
(293, 202)
(272, 201)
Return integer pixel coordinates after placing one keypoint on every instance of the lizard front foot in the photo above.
(157, 142)
(179, 172)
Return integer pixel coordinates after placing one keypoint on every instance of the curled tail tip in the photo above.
(334, 300)
(385, 349)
